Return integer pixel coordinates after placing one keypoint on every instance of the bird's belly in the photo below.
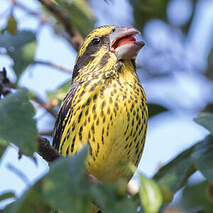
(122, 144)
(118, 139)
(114, 124)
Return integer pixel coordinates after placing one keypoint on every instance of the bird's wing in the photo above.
(63, 115)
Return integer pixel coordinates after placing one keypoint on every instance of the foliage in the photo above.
(20, 47)
(65, 188)
(13, 109)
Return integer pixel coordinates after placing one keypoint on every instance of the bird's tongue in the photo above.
(125, 40)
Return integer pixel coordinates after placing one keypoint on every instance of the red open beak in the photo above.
(123, 42)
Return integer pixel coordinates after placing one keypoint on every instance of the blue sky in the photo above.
(168, 134)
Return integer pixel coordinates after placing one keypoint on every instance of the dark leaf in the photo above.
(16, 122)
(80, 14)
(155, 109)
(209, 71)
(21, 48)
(31, 201)
(145, 10)
(202, 157)
(208, 107)
(66, 181)
(109, 201)
(195, 198)
(206, 120)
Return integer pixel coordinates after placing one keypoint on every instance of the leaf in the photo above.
(80, 13)
(194, 197)
(150, 195)
(175, 174)
(31, 201)
(145, 10)
(155, 109)
(66, 181)
(110, 201)
(202, 157)
(11, 25)
(82, 16)
(21, 48)
(60, 92)
(6, 195)
(3, 146)
(205, 119)
(208, 107)
(209, 71)
(16, 122)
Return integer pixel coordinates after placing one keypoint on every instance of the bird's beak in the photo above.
(123, 42)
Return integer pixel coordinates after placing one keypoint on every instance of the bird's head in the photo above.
(107, 44)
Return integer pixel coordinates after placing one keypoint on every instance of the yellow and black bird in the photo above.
(105, 105)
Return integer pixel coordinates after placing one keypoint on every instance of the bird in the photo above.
(105, 106)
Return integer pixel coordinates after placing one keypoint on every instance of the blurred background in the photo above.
(175, 68)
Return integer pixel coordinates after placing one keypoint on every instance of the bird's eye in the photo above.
(95, 40)
(113, 30)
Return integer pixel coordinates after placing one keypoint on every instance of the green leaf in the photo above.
(145, 10)
(175, 174)
(150, 195)
(6, 195)
(21, 48)
(209, 71)
(66, 181)
(31, 201)
(60, 92)
(194, 197)
(203, 157)
(11, 25)
(3, 146)
(206, 120)
(80, 14)
(155, 109)
(16, 122)
(110, 201)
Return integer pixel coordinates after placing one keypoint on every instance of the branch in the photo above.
(75, 37)
(56, 66)
(47, 106)
(46, 150)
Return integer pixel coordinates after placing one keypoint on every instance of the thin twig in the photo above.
(75, 37)
(56, 66)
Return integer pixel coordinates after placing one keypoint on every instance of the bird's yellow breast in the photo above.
(110, 113)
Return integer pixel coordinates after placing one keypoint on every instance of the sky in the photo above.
(167, 135)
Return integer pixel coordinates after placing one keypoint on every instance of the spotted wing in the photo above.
(63, 115)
